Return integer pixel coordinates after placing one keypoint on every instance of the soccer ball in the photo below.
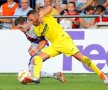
(22, 75)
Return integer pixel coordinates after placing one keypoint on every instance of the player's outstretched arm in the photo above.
(47, 10)
(40, 46)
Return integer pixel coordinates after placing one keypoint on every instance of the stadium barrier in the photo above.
(14, 55)
(65, 16)
(14, 52)
(58, 17)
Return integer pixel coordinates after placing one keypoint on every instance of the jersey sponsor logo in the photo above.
(45, 29)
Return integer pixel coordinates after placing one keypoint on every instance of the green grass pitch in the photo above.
(75, 82)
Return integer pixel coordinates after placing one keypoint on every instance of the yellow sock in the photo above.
(93, 67)
(37, 66)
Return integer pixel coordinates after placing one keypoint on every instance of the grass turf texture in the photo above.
(75, 82)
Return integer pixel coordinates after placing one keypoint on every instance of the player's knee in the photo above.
(86, 60)
(37, 60)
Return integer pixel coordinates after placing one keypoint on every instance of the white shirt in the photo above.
(32, 34)
(66, 24)
(41, 2)
(20, 12)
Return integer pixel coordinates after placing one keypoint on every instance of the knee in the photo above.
(37, 59)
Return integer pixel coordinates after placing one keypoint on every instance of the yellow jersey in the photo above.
(50, 29)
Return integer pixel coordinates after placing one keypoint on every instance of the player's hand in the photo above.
(32, 52)
(40, 18)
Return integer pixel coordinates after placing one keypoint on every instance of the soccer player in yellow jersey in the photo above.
(37, 43)
(45, 25)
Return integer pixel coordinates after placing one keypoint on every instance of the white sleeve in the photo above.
(37, 1)
(1, 9)
(16, 10)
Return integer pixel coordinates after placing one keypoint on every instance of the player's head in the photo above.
(33, 17)
(21, 23)
(20, 20)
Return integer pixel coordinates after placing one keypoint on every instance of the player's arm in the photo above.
(41, 45)
(47, 10)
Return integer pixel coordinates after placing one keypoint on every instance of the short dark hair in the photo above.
(100, 8)
(72, 3)
(89, 8)
(20, 20)
(32, 12)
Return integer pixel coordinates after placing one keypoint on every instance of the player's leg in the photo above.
(70, 49)
(88, 62)
(38, 63)
(46, 53)
(43, 73)
(31, 63)
(56, 75)
(46, 74)
(59, 76)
